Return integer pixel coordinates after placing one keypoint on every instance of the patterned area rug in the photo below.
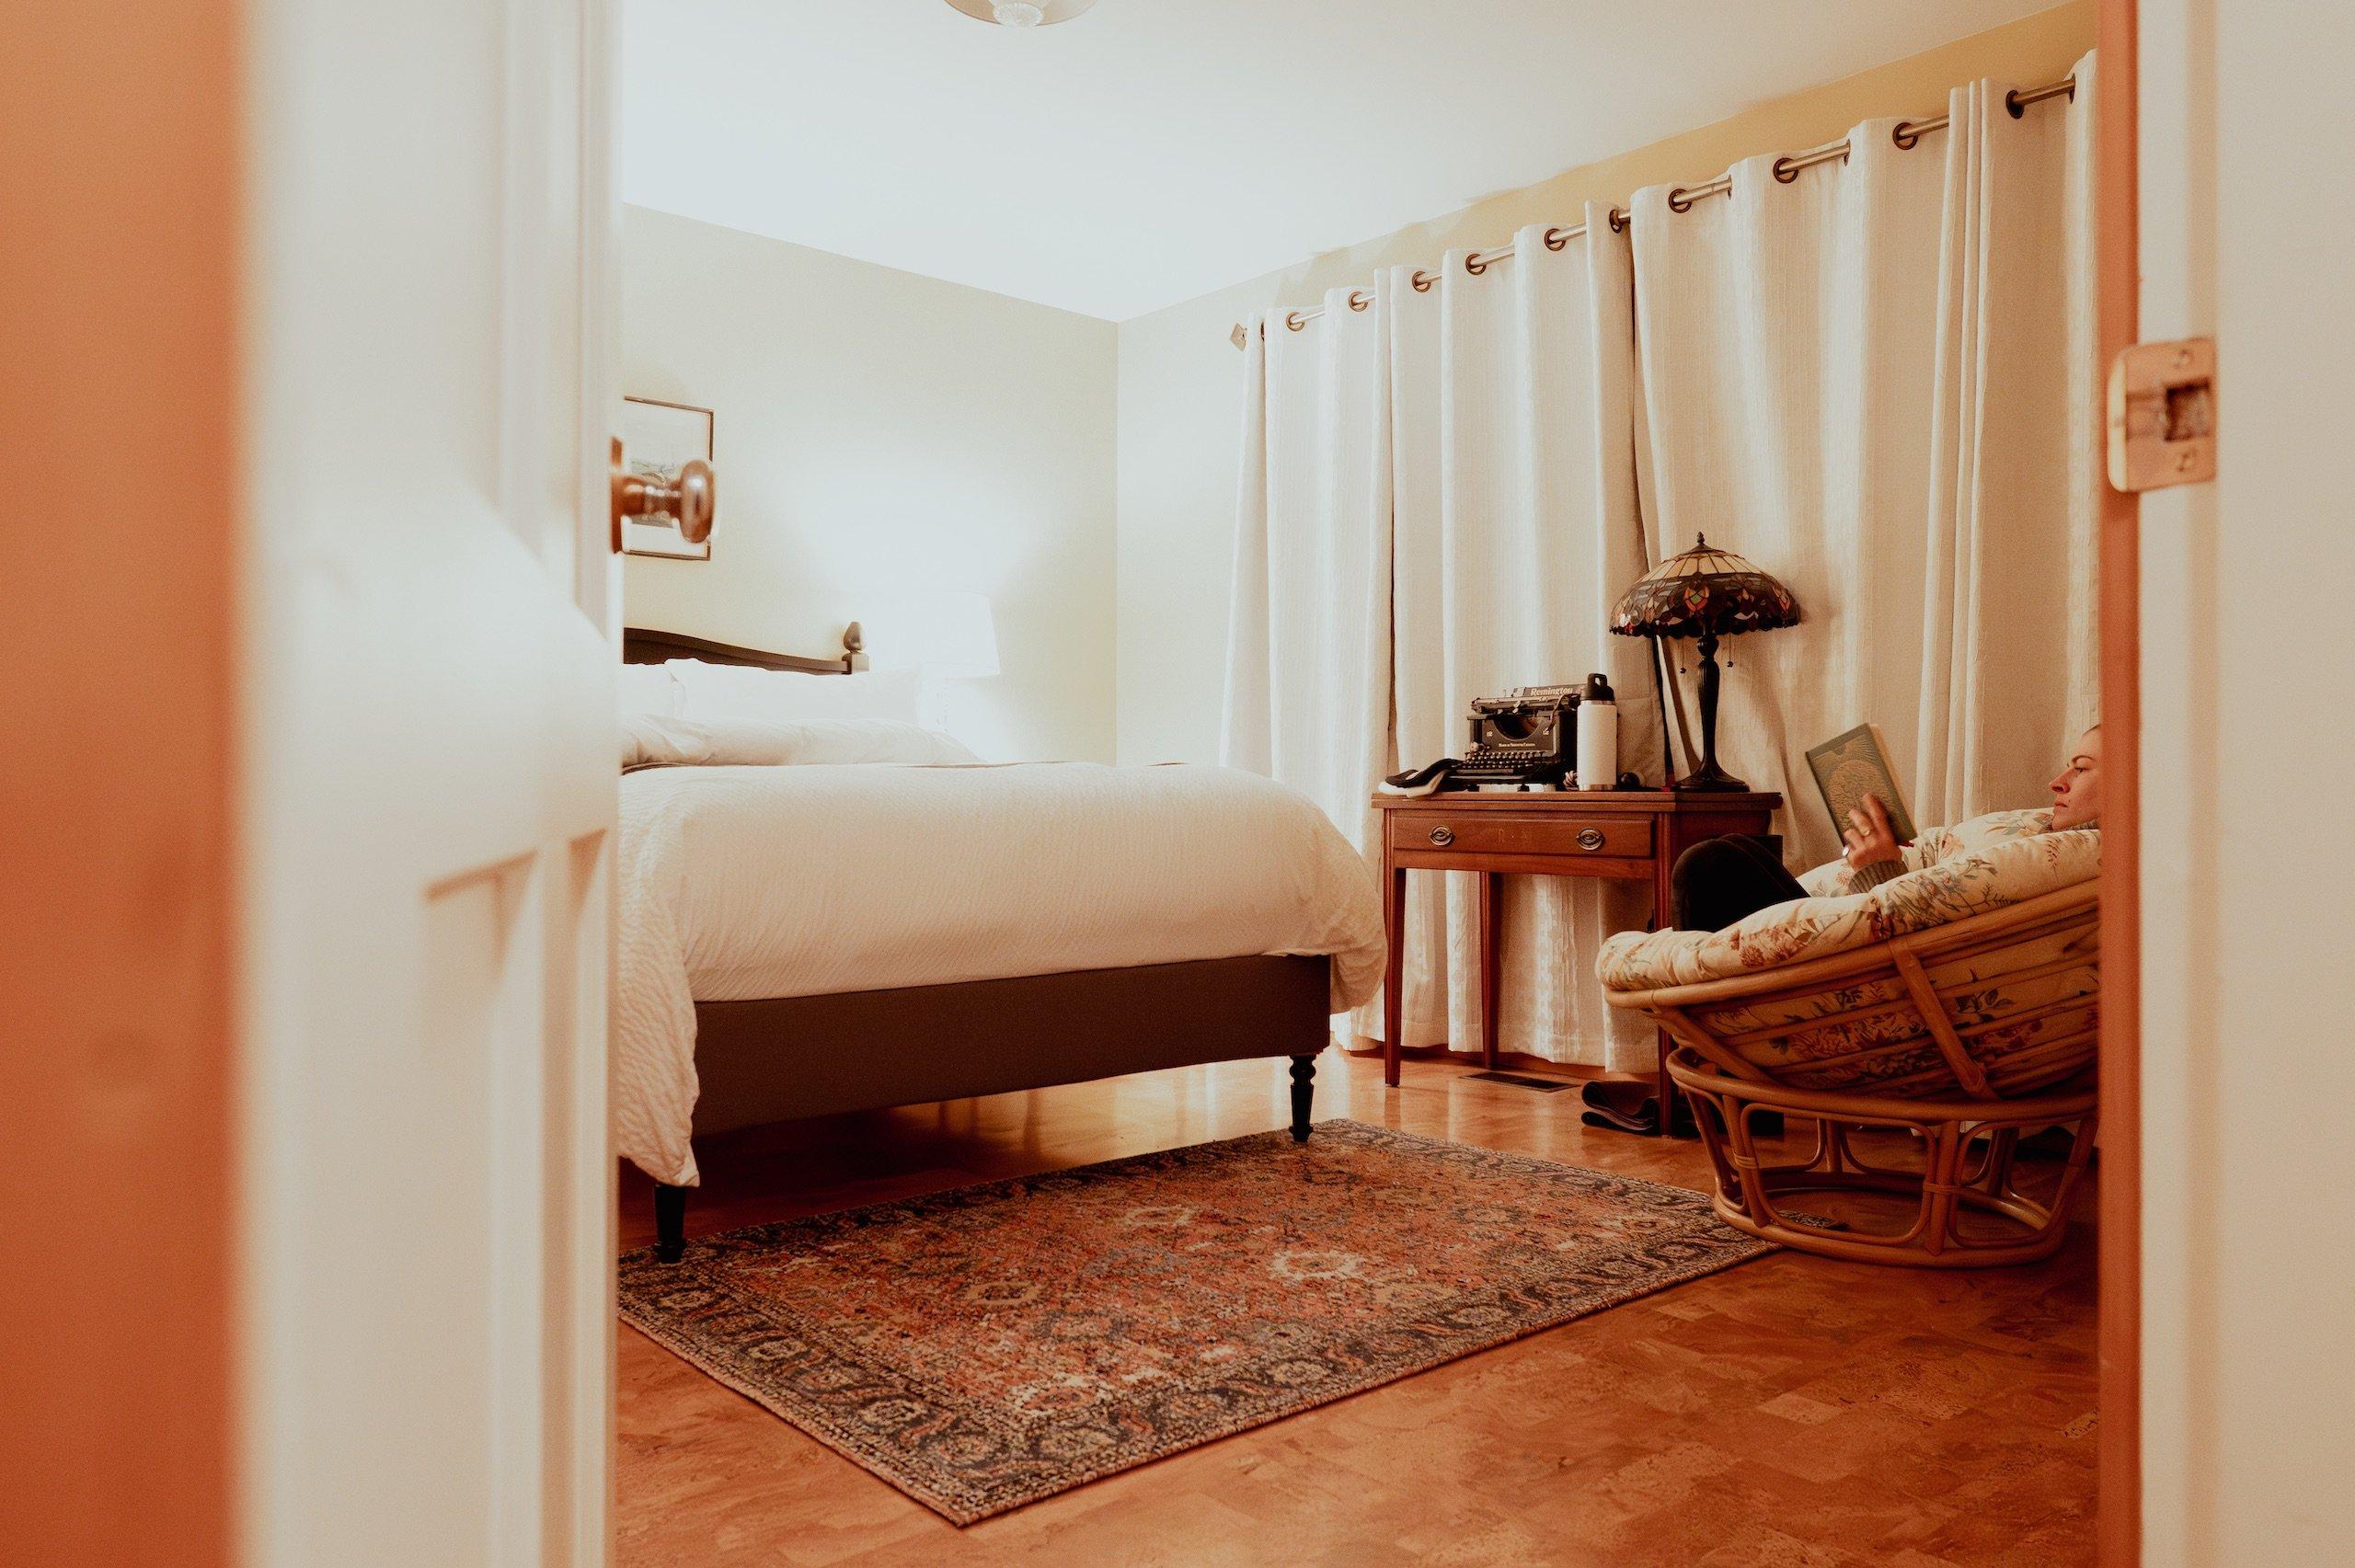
(986, 1347)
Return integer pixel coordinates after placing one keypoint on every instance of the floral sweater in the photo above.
(1931, 846)
(2004, 857)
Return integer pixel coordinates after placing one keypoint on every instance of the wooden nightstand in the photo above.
(1628, 836)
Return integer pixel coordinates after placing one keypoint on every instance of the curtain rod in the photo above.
(1681, 198)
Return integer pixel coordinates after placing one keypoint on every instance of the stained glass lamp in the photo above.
(1706, 593)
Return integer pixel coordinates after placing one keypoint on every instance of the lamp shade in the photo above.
(1703, 592)
(944, 634)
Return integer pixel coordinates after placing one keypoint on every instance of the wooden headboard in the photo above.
(643, 645)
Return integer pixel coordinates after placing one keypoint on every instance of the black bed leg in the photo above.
(670, 1223)
(1303, 1091)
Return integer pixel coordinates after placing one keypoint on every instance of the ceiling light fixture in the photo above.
(1022, 12)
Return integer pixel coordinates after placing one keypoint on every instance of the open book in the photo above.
(1849, 767)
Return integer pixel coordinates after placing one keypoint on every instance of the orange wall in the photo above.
(118, 157)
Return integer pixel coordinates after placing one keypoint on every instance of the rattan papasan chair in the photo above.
(1959, 1001)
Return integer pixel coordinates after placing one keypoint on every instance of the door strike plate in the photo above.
(2163, 415)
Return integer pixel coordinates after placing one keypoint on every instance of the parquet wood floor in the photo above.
(1792, 1411)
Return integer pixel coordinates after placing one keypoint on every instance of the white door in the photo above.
(2248, 1187)
(429, 782)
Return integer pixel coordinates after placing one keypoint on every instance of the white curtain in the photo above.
(1308, 641)
(1513, 453)
(2015, 456)
(1874, 380)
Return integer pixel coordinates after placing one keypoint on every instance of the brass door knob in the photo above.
(688, 501)
(1589, 838)
(1443, 836)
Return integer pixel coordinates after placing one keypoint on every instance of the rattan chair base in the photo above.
(1966, 1212)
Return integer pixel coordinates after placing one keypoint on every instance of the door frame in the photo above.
(147, 1214)
(2117, 1460)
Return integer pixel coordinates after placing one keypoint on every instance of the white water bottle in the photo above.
(1598, 758)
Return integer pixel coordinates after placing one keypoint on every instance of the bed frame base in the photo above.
(671, 1203)
(670, 1223)
(787, 1058)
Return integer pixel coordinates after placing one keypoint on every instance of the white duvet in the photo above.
(747, 882)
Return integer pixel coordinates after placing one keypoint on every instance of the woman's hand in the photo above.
(1869, 837)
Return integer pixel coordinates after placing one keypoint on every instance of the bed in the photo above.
(804, 941)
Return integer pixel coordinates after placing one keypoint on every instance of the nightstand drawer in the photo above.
(1489, 832)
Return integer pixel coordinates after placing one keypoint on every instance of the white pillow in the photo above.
(650, 689)
(650, 740)
(873, 741)
(785, 696)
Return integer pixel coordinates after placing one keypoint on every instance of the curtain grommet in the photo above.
(2016, 109)
(1359, 299)
(1421, 281)
(1785, 171)
(1904, 135)
(1618, 220)
(1556, 239)
(1473, 263)
(1677, 201)
(1292, 320)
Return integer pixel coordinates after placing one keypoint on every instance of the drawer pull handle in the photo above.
(1589, 838)
(1443, 836)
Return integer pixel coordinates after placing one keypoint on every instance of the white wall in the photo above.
(876, 429)
(1180, 403)
(1181, 429)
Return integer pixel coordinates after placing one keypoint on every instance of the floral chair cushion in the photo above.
(2007, 857)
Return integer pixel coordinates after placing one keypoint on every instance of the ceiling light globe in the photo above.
(1023, 14)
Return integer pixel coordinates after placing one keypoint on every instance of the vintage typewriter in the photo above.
(1525, 739)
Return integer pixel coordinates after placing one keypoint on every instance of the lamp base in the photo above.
(1709, 777)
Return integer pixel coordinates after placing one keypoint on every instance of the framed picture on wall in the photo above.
(656, 437)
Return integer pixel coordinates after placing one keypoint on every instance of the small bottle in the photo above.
(1598, 757)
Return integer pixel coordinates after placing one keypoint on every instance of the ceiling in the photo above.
(1153, 150)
